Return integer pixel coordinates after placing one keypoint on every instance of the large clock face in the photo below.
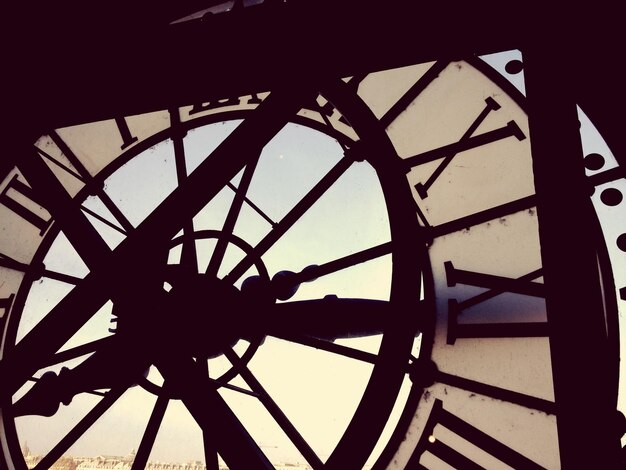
(341, 277)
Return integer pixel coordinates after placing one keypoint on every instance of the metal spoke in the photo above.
(281, 419)
(89, 392)
(203, 366)
(83, 425)
(79, 231)
(234, 388)
(116, 212)
(92, 249)
(37, 271)
(149, 436)
(291, 218)
(189, 255)
(231, 218)
(329, 346)
(211, 458)
(216, 420)
(253, 206)
(97, 216)
(89, 180)
(210, 450)
(58, 164)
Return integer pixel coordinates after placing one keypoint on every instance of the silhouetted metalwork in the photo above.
(133, 274)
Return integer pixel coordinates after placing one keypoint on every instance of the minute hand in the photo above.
(125, 263)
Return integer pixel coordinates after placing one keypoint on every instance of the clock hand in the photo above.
(327, 319)
(106, 279)
(116, 364)
(113, 364)
(285, 284)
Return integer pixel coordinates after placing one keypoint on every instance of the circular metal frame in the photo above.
(408, 255)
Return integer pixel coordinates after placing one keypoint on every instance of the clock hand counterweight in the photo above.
(286, 283)
(112, 367)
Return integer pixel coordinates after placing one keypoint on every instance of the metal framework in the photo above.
(52, 83)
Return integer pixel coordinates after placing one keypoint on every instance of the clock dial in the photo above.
(163, 269)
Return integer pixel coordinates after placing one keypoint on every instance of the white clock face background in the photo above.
(319, 390)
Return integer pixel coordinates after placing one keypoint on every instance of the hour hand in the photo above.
(329, 318)
(110, 367)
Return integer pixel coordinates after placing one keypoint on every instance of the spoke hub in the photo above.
(205, 315)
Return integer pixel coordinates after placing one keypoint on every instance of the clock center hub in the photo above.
(207, 315)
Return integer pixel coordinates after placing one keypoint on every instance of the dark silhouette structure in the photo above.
(77, 63)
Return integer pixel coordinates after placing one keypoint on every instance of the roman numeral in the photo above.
(5, 304)
(127, 138)
(60, 165)
(497, 285)
(328, 108)
(490, 105)
(511, 396)
(95, 188)
(510, 129)
(221, 103)
(413, 92)
(456, 458)
(17, 190)
(527, 203)
(224, 102)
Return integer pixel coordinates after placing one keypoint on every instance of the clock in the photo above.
(351, 271)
